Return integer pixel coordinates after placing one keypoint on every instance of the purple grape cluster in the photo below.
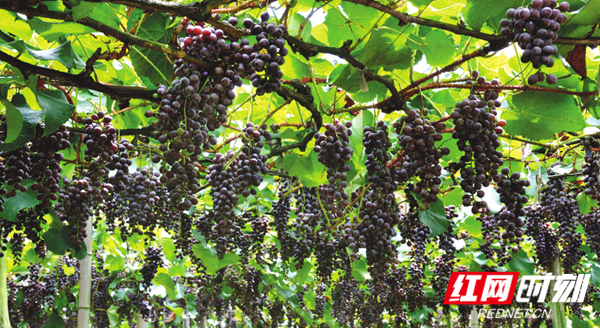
(477, 130)
(252, 165)
(334, 151)
(418, 136)
(534, 28)
(379, 213)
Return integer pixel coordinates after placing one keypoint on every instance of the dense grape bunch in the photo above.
(545, 238)
(590, 170)
(152, 262)
(334, 151)
(17, 168)
(507, 224)
(75, 207)
(512, 194)
(477, 129)
(143, 205)
(512, 191)
(534, 28)
(45, 159)
(105, 153)
(309, 215)
(558, 206)
(252, 165)
(224, 183)
(280, 222)
(421, 157)
(379, 213)
(591, 225)
(37, 292)
(182, 126)
(268, 53)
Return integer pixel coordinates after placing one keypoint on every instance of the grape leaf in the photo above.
(435, 218)
(63, 53)
(420, 315)
(113, 316)
(21, 121)
(151, 63)
(538, 115)
(55, 321)
(307, 168)
(54, 31)
(521, 263)
(22, 200)
(98, 11)
(588, 15)
(352, 24)
(585, 203)
(437, 46)
(55, 107)
(360, 271)
(58, 242)
(387, 47)
(163, 279)
(478, 12)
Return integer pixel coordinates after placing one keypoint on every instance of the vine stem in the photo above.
(323, 209)
(4, 315)
(444, 85)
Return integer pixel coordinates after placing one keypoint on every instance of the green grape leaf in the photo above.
(163, 279)
(360, 271)
(472, 226)
(58, 241)
(307, 168)
(228, 259)
(15, 25)
(387, 47)
(585, 203)
(578, 323)
(22, 200)
(151, 63)
(521, 263)
(294, 28)
(589, 15)
(98, 11)
(595, 278)
(420, 315)
(21, 121)
(113, 316)
(56, 109)
(478, 12)
(437, 46)
(435, 218)
(64, 54)
(168, 248)
(55, 321)
(365, 118)
(53, 31)
(352, 24)
(294, 67)
(208, 257)
(302, 275)
(539, 115)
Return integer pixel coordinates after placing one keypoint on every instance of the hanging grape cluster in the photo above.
(379, 212)
(534, 28)
(476, 129)
(421, 157)
(143, 206)
(334, 151)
